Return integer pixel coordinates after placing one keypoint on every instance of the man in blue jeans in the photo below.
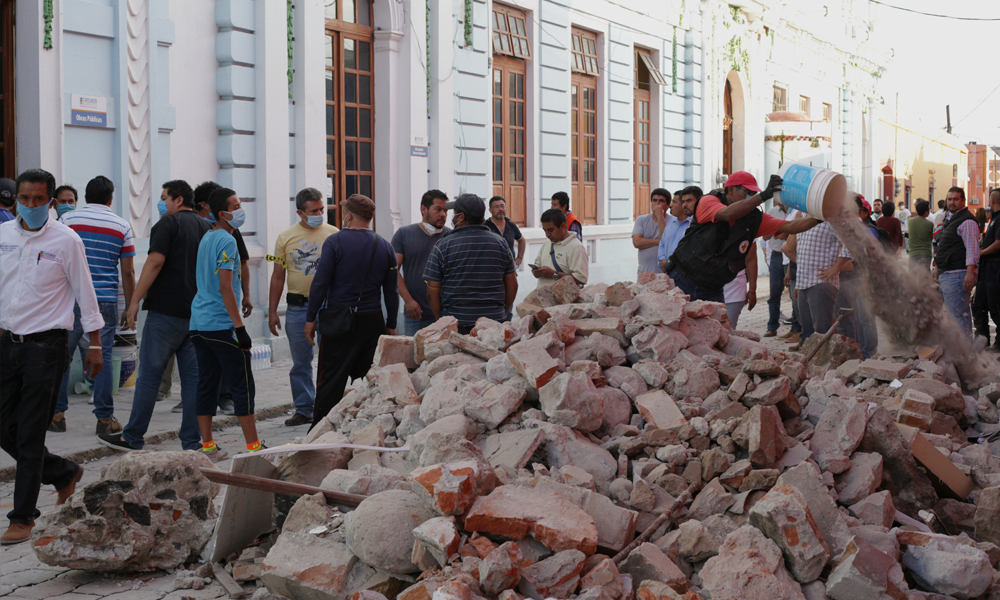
(108, 242)
(296, 255)
(775, 271)
(957, 257)
(413, 245)
(168, 283)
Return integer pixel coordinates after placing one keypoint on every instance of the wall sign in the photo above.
(89, 111)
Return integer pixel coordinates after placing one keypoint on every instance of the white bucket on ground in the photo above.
(817, 192)
(124, 361)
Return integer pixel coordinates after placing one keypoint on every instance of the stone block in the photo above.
(501, 568)
(597, 347)
(749, 566)
(987, 519)
(662, 309)
(472, 346)
(574, 394)
(947, 399)
(713, 499)
(783, 516)
(876, 509)
(659, 343)
(604, 575)
(627, 380)
(697, 381)
(554, 577)
(533, 359)
(450, 489)
(615, 525)
(512, 448)
(806, 478)
(439, 331)
(944, 565)
(909, 485)
(659, 409)
(916, 410)
(395, 349)
(704, 331)
(492, 408)
(761, 432)
(838, 433)
(394, 383)
(862, 571)
(768, 393)
(607, 326)
(440, 537)
(516, 512)
(647, 562)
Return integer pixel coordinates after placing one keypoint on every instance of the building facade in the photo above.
(984, 167)
(917, 162)
(389, 98)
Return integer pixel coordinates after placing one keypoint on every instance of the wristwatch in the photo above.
(555, 276)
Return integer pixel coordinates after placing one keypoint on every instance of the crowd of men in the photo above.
(342, 289)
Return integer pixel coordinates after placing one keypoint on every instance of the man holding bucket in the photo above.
(726, 222)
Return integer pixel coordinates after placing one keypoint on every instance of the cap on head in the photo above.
(471, 205)
(744, 179)
(866, 204)
(362, 206)
(8, 192)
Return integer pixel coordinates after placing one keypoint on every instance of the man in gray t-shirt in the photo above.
(648, 230)
(413, 245)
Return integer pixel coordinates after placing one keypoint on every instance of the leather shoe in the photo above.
(298, 419)
(795, 338)
(796, 347)
(770, 333)
(66, 492)
(16, 533)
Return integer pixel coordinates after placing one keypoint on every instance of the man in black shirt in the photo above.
(986, 303)
(169, 285)
(413, 245)
(505, 228)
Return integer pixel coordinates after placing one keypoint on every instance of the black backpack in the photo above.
(883, 238)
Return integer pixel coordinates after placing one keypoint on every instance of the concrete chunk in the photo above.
(882, 370)
(395, 349)
(749, 567)
(438, 331)
(649, 562)
(783, 516)
(659, 409)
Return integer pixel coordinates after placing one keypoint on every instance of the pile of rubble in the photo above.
(540, 448)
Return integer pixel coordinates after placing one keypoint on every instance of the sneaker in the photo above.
(179, 408)
(115, 441)
(109, 425)
(215, 455)
(58, 424)
(770, 333)
(263, 446)
(66, 492)
(298, 419)
(226, 406)
(16, 533)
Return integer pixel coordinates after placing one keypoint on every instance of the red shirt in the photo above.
(894, 228)
(709, 205)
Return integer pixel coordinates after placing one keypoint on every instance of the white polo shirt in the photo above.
(42, 275)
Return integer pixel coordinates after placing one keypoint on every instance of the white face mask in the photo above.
(430, 229)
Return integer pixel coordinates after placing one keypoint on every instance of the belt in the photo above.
(296, 299)
(33, 337)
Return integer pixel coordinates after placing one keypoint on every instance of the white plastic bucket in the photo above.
(124, 359)
(819, 193)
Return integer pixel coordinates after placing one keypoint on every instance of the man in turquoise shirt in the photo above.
(220, 339)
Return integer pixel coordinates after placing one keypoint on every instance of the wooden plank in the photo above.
(286, 488)
(234, 589)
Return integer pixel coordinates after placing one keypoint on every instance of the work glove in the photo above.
(773, 185)
(243, 338)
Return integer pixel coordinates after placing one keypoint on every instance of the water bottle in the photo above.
(254, 358)
(267, 357)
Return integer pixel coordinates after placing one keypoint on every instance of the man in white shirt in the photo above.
(562, 254)
(43, 271)
(776, 272)
(903, 214)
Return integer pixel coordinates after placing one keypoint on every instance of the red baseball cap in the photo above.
(744, 179)
(865, 203)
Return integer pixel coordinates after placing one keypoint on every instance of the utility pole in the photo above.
(895, 150)
(947, 112)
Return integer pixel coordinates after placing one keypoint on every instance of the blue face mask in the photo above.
(315, 221)
(210, 218)
(62, 209)
(239, 217)
(161, 207)
(33, 217)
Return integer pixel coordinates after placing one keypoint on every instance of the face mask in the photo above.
(34, 217)
(62, 209)
(161, 207)
(430, 229)
(314, 221)
(239, 217)
(210, 218)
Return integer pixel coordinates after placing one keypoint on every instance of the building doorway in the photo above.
(8, 162)
(350, 101)
(727, 132)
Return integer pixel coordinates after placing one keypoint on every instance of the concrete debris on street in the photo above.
(608, 443)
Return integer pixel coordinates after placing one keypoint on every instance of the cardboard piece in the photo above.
(246, 513)
(939, 465)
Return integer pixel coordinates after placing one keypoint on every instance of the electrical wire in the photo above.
(927, 14)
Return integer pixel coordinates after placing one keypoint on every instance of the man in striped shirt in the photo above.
(108, 242)
(470, 273)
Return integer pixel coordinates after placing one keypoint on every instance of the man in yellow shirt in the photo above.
(296, 253)
(562, 254)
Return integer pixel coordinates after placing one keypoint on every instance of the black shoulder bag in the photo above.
(338, 320)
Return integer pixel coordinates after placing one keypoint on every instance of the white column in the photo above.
(390, 138)
(39, 90)
(310, 95)
(442, 122)
(272, 173)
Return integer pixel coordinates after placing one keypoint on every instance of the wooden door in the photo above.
(509, 135)
(727, 132)
(8, 164)
(584, 148)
